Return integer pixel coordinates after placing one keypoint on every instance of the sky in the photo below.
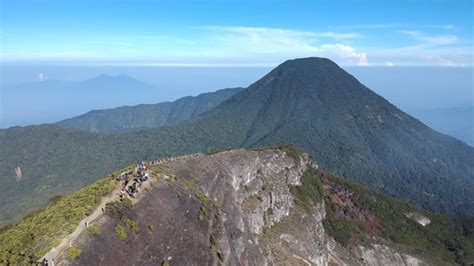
(418, 54)
(236, 33)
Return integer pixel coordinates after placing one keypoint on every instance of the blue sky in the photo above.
(256, 33)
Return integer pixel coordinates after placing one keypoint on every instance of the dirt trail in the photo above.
(56, 252)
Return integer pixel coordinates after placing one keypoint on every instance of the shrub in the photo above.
(311, 190)
(73, 253)
(93, 229)
(115, 209)
(120, 232)
(202, 213)
(132, 225)
(40, 231)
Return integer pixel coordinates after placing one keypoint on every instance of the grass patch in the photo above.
(120, 232)
(191, 186)
(132, 225)
(290, 150)
(116, 209)
(202, 213)
(206, 202)
(73, 253)
(40, 231)
(93, 229)
(214, 248)
(311, 190)
(160, 168)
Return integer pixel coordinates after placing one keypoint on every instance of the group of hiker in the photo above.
(132, 182)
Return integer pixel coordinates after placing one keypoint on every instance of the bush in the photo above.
(120, 232)
(311, 190)
(93, 229)
(73, 253)
(115, 209)
(132, 225)
(202, 213)
(40, 231)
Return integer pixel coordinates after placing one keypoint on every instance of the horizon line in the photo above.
(180, 64)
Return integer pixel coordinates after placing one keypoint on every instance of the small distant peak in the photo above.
(108, 77)
(103, 76)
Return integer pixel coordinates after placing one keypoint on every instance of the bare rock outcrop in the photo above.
(18, 174)
(231, 208)
(419, 218)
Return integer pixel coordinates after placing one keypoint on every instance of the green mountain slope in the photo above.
(354, 212)
(139, 117)
(315, 105)
(310, 103)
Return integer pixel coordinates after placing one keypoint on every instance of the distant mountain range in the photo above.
(133, 118)
(53, 100)
(310, 103)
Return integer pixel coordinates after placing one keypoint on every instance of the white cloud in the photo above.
(431, 39)
(264, 40)
(396, 25)
(339, 36)
(439, 60)
(276, 44)
(344, 52)
(41, 76)
(252, 46)
(388, 63)
(287, 32)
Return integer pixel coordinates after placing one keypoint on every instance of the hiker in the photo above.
(44, 262)
(131, 191)
(87, 224)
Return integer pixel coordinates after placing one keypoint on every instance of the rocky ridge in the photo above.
(236, 207)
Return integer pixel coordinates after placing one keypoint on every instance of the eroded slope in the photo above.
(235, 207)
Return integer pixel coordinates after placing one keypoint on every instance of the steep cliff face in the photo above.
(235, 208)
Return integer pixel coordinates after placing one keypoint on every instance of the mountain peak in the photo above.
(108, 77)
(308, 76)
(313, 64)
(119, 81)
(306, 61)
